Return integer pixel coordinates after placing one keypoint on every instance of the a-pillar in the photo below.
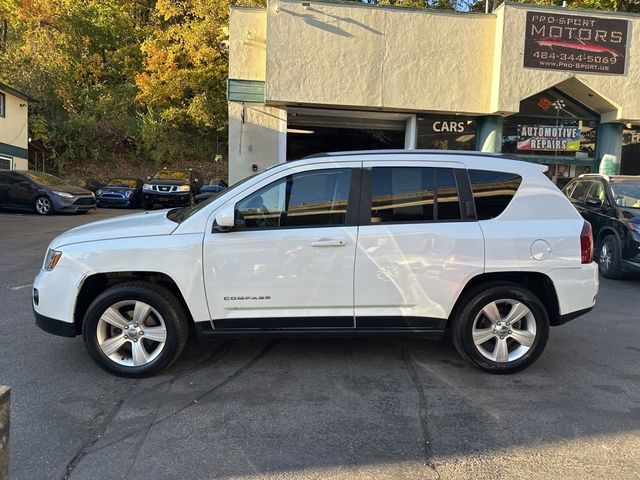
(609, 142)
(489, 133)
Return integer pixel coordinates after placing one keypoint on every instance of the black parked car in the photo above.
(88, 183)
(171, 188)
(120, 192)
(612, 205)
(42, 193)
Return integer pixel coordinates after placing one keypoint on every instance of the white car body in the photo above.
(355, 273)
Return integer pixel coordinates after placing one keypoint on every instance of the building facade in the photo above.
(14, 129)
(551, 85)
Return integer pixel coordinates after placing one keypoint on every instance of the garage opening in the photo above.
(309, 133)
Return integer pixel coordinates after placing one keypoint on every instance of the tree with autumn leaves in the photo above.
(139, 79)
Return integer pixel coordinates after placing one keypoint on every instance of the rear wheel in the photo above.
(609, 258)
(43, 206)
(501, 328)
(135, 329)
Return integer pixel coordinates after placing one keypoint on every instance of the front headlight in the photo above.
(63, 194)
(146, 186)
(51, 259)
(184, 188)
(99, 192)
(128, 193)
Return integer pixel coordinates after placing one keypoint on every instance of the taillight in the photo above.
(586, 243)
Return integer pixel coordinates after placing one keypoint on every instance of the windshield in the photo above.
(626, 194)
(171, 175)
(44, 179)
(123, 182)
(179, 215)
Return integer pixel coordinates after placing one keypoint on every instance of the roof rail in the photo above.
(599, 175)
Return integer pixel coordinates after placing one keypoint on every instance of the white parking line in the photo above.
(20, 287)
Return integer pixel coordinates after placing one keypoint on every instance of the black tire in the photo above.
(609, 258)
(158, 298)
(471, 306)
(43, 205)
(148, 206)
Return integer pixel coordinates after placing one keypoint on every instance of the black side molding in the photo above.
(56, 327)
(562, 319)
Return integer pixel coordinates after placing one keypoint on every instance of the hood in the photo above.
(629, 214)
(136, 225)
(117, 189)
(72, 189)
(168, 182)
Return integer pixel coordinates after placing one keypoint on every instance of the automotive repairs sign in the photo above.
(577, 43)
(564, 138)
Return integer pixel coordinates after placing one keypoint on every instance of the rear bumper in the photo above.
(576, 289)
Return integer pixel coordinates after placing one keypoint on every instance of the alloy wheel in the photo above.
(43, 205)
(504, 330)
(131, 333)
(605, 257)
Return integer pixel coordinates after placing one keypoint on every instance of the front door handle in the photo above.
(328, 242)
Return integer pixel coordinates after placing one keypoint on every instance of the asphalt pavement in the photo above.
(317, 408)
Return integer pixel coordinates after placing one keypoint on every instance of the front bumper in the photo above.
(77, 203)
(168, 199)
(56, 327)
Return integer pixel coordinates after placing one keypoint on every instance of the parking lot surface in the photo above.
(317, 408)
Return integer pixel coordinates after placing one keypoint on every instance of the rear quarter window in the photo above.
(492, 191)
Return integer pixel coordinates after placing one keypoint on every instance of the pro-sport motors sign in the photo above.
(578, 43)
(565, 138)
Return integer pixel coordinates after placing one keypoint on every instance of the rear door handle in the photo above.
(328, 242)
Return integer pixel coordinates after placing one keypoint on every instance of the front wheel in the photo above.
(609, 258)
(43, 206)
(501, 328)
(135, 329)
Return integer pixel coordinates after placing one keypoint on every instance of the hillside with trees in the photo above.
(141, 80)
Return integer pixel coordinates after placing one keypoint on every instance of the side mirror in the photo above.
(593, 202)
(225, 219)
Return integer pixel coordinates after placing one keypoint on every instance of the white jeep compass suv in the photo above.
(419, 243)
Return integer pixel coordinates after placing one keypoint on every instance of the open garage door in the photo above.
(309, 133)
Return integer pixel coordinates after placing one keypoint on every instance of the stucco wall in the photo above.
(516, 82)
(362, 56)
(247, 43)
(256, 136)
(13, 126)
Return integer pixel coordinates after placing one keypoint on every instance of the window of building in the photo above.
(413, 194)
(492, 191)
(5, 163)
(2, 104)
(553, 129)
(307, 199)
(446, 133)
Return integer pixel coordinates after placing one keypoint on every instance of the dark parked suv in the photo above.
(612, 205)
(171, 188)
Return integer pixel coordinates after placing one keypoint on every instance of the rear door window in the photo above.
(492, 191)
(413, 194)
